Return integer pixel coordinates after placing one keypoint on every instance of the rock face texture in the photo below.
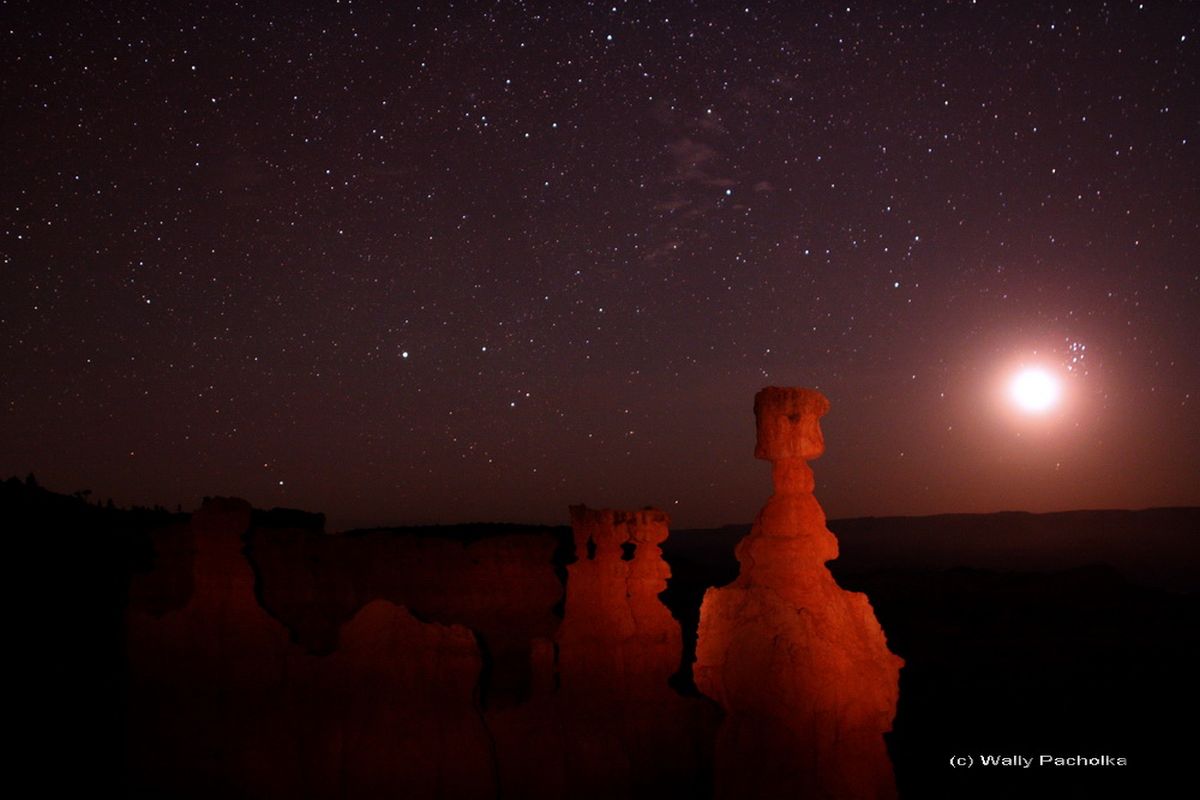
(440, 670)
(392, 712)
(627, 732)
(800, 666)
(616, 633)
(503, 588)
(206, 678)
(222, 704)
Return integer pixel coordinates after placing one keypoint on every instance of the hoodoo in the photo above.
(628, 733)
(800, 665)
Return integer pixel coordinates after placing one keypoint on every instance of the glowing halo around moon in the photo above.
(1035, 390)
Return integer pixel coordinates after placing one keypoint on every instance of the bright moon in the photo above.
(1034, 390)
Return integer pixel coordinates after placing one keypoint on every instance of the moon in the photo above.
(1035, 390)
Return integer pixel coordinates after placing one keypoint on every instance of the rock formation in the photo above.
(800, 666)
(206, 679)
(478, 690)
(627, 732)
(502, 587)
(393, 712)
(616, 633)
(222, 704)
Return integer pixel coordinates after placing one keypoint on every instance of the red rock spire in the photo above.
(800, 665)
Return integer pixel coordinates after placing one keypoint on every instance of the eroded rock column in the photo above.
(206, 680)
(800, 665)
(627, 733)
(617, 636)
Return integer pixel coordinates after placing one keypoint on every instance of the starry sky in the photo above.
(426, 262)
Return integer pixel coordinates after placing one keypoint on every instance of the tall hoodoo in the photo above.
(800, 665)
(627, 733)
(618, 637)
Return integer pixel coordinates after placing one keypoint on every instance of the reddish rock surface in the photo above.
(222, 704)
(800, 666)
(627, 732)
(616, 634)
(206, 679)
(502, 587)
(394, 712)
(529, 736)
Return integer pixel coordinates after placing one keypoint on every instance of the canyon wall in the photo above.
(273, 661)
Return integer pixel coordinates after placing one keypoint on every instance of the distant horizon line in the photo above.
(854, 518)
(85, 495)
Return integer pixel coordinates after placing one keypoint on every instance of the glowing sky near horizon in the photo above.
(430, 263)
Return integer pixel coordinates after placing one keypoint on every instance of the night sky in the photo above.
(418, 263)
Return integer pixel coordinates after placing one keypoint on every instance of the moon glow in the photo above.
(1034, 390)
